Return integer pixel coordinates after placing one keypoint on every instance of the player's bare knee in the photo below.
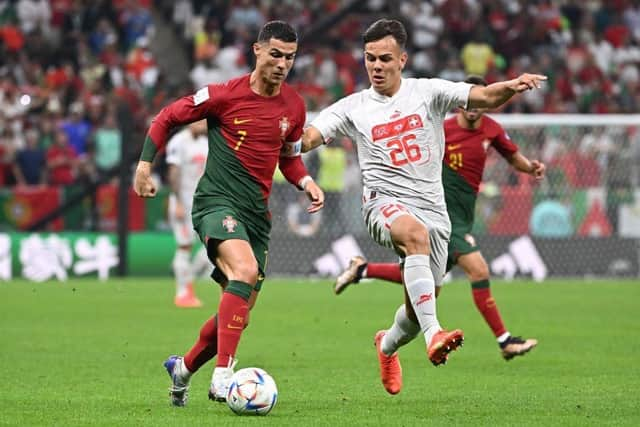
(246, 272)
(478, 273)
(414, 240)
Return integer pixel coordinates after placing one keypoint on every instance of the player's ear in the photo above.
(403, 60)
(256, 48)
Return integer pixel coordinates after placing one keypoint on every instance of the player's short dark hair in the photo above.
(476, 80)
(279, 30)
(383, 28)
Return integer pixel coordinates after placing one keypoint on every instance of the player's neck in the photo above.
(390, 91)
(260, 87)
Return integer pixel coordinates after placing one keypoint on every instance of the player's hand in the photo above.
(527, 82)
(538, 169)
(143, 184)
(316, 195)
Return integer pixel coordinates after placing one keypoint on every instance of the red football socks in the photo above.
(205, 348)
(384, 271)
(487, 306)
(232, 313)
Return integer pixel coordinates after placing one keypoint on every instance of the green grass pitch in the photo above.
(90, 353)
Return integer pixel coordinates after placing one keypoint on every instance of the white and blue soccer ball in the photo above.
(252, 392)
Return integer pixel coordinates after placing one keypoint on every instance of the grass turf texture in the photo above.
(91, 353)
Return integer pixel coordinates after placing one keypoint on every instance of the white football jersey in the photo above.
(399, 139)
(189, 154)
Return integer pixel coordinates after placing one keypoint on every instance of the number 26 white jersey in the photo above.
(400, 139)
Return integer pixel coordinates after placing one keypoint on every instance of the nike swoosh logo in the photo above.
(238, 121)
(453, 147)
(233, 327)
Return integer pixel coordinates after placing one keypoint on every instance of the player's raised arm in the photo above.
(521, 163)
(185, 110)
(496, 94)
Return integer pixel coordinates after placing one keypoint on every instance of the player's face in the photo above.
(274, 60)
(384, 61)
(473, 114)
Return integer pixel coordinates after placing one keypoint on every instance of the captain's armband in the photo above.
(291, 149)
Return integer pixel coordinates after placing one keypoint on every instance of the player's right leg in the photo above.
(424, 268)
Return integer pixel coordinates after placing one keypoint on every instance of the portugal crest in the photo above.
(229, 223)
(283, 124)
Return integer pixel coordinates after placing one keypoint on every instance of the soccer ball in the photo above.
(252, 392)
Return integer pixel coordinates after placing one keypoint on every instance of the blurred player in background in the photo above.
(186, 158)
(397, 125)
(468, 136)
(255, 123)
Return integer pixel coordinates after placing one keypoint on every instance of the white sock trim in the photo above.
(502, 338)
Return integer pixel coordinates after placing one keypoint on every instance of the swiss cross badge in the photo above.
(229, 223)
(284, 126)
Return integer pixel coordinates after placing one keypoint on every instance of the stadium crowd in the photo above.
(67, 65)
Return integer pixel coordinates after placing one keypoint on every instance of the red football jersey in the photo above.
(253, 127)
(466, 149)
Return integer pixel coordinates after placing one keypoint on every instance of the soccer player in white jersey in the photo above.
(397, 125)
(186, 158)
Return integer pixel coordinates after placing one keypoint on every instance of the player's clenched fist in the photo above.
(143, 184)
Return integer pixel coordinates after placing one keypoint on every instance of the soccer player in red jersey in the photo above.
(468, 136)
(254, 123)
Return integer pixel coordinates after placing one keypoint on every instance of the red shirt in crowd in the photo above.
(63, 173)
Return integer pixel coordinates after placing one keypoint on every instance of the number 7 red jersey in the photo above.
(246, 136)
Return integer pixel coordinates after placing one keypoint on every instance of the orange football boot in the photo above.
(390, 369)
(443, 343)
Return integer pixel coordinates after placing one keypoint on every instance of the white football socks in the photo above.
(182, 270)
(182, 371)
(421, 289)
(401, 332)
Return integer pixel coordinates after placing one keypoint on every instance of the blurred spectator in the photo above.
(30, 165)
(136, 22)
(107, 145)
(7, 151)
(206, 42)
(61, 161)
(477, 55)
(245, 15)
(141, 65)
(78, 129)
(34, 14)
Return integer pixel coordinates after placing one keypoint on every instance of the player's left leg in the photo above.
(477, 271)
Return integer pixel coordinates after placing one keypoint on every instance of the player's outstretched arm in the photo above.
(534, 168)
(498, 93)
(311, 138)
